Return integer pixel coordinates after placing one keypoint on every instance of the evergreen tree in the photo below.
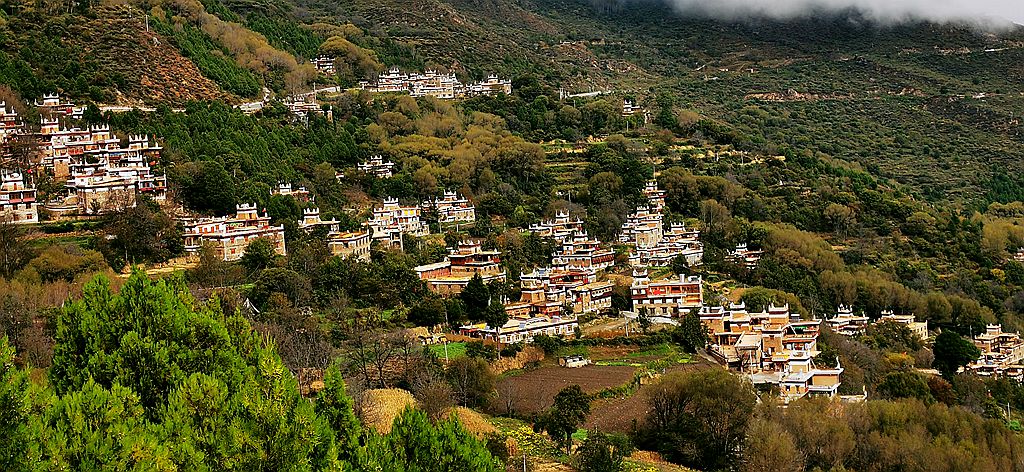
(567, 414)
(691, 334)
(476, 297)
(952, 352)
(14, 411)
(335, 406)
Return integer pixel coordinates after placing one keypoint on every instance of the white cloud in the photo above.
(989, 12)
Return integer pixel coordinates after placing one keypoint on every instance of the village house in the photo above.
(673, 297)
(349, 244)
(642, 228)
(629, 108)
(845, 322)
(655, 196)
(523, 329)
(229, 236)
(311, 221)
(377, 167)
(52, 104)
(432, 83)
(547, 291)
(10, 123)
(772, 347)
(346, 244)
(559, 228)
(324, 64)
(583, 253)
(1001, 353)
(492, 85)
(745, 257)
(287, 190)
(302, 107)
(17, 199)
(918, 328)
(678, 241)
(451, 208)
(391, 220)
(469, 259)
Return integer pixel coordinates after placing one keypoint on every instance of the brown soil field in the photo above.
(535, 390)
(618, 414)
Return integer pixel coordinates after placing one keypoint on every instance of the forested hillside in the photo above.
(809, 168)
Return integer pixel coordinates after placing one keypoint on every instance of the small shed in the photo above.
(573, 361)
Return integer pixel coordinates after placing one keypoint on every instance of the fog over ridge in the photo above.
(985, 12)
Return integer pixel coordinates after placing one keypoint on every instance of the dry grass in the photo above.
(380, 407)
(473, 422)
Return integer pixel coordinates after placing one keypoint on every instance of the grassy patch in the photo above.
(455, 350)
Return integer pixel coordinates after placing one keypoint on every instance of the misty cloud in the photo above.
(985, 12)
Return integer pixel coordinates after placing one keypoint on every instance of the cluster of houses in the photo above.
(772, 347)
(651, 245)
(847, 323)
(228, 236)
(392, 220)
(377, 167)
(550, 302)
(450, 208)
(346, 244)
(53, 105)
(1002, 353)
(436, 84)
(101, 172)
(17, 196)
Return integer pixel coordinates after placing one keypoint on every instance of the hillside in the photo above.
(944, 98)
(107, 56)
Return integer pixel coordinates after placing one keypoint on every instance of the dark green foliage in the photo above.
(285, 34)
(385, 282)
(206, 186)
(143, 233)
(478, 349)
(567, 414)
(14, 411)
(602, 452)
(150, 376)
(14, 251)
(691, 334)
(430, 311)
(892, 336)
(699, 418)
(220, 154)
(476, 297)
(417, 445)
(258, 255)
(335, 407)
(471, 379)
(549, 344)
(680, 266)
(292, 285)
(905, 385)
(952, 352)
(495, 315)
